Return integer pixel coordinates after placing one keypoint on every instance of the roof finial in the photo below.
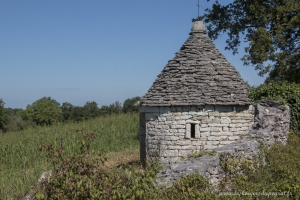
(198, 5)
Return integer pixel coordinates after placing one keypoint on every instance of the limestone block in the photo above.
(192, 113)
(204, 134)
(216, 121)
(234, 129)
(188, 148)
(225, 128)
(217, 125)
(232, 125)
(203, 138)
(207, 121)
(171, 138)
(184, 153)
(242, 133)
(225, 120)
(197, 131)
(215, 129)
(170, 118)
(216, 138)
(238, 121)
(192, 121)
(183, 142)
(221, 134)
(178, 126)
(165, 127)
(215, 143)
(179, 135)
(214, 114)
(210, 146)
(235, 117)
(225, 114)
(152, 146)
(202, 113)
(167, 142)
(225, 142)
(169, 153)
(174, 147)
(181, 130)
(173, 130)
(176, 113)
(201, 118)
(204, 125)
(162, 118)
(242, 125)
(180, 122)
(188, 131)
(233, 137)
(244, 128)
(170, 122)
(197, 142)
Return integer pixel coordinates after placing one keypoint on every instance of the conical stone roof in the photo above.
(198, 75)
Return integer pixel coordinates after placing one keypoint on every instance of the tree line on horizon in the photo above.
(47, 111)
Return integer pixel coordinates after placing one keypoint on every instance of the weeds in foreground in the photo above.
(279, 178)
(22, 162)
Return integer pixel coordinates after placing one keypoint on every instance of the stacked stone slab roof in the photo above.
(198, 75)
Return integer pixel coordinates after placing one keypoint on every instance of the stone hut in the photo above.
(198, 102)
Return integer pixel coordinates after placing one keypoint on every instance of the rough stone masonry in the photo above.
(271, 125)
(171, 137)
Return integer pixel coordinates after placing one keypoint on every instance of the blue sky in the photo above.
(98, 50)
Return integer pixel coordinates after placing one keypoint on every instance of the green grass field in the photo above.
(22, 161)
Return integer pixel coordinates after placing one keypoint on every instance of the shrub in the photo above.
(286, 93)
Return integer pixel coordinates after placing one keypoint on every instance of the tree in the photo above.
(67, 111)
(91, 110)
(128, 105)
(3, 116)
(270, 27)
(114, 108)
(45, 111)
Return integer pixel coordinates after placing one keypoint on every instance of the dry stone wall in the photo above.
(175, 132)
(271, 125)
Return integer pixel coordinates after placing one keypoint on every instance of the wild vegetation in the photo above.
(23, 158)
(286, 93)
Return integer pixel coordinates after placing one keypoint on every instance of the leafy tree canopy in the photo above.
(44, 111)
(128, 105)
(270, 27)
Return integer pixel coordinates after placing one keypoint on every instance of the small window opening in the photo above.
(192, 130)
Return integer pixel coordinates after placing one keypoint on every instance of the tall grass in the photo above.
(22, 160)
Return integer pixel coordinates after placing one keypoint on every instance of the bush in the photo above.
(82, 177)
(286, 93)
(280, 174)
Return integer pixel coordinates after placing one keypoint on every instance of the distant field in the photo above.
(22, 162)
